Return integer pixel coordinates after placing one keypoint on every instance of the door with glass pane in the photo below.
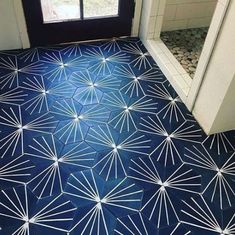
(61, 21)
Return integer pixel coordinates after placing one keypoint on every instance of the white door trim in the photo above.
(21, 23)
(136, 20)
(179, 80)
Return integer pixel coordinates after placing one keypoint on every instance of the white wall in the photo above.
(183, 14)
(136, 20)
(215, 105)
(144, 19)
(151, 19)
(9, 36)
(226, 115)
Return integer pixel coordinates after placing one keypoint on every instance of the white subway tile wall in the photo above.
(182, 14)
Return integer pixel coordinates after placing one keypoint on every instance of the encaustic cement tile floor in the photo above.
(95, 141)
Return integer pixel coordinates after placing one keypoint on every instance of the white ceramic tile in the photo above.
(199, 22)
(171, 2)
(174, 25)
(210, 8)
(155, 46)
(172, 59)
(224, 2)
(179, 67)
(170, 56)
(214, 28)
(202, 63)
(182, 14)
(172, 70)
(164, 58)
(136, 20)
(168, 69)
(170, 12)
(188, 1)
(190, 10)
(151, 36)
(162, 45)
(161, 7)
(144, 22)
(152, 22)
(158, 27)
(154, 7)
(186, 91)
(180, 81)
(157, 33)
(143, 31)
(187, 79)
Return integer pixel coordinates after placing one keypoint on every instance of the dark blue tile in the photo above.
(136, 224)
(99, 202)
(15, 171)
(178, 229)
(220, 143)
(95, 140)
(163, 189)
(201, 216)
(217, 172)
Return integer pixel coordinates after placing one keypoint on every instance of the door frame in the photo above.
(21, 22)
(188, 92)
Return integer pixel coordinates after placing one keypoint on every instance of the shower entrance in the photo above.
(186, 46)
(180, 35)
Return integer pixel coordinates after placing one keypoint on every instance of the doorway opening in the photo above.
(184, 29)
(186, 46)
(62, 21)
(181, 40)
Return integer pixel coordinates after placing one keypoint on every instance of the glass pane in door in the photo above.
(100, 8)
(60, 10)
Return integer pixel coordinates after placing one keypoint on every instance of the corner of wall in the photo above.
(20, 18)
(136, 20)
(215, 101)
(144, 19)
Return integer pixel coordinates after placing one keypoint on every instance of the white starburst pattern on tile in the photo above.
(133, 85)
(111, 45)
(125, 111)
(134, 224)
(220, 142)
(47, 180)
(13, 97)
(219, 185)
(197, 213)
(29, 55)
(142, 60)
(111, 163)
(16, 204)
(72, 50)
(83, 188)
(102, 64)
(17, 170)
(166, 148)
(39, 102)
(97, 126)
(159, 205)
(171, 109)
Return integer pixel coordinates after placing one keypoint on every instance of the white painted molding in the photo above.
(204, 60)
(21, 23)
(136, 20)
(187, 93)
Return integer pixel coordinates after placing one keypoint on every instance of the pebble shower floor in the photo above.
(95, 141)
